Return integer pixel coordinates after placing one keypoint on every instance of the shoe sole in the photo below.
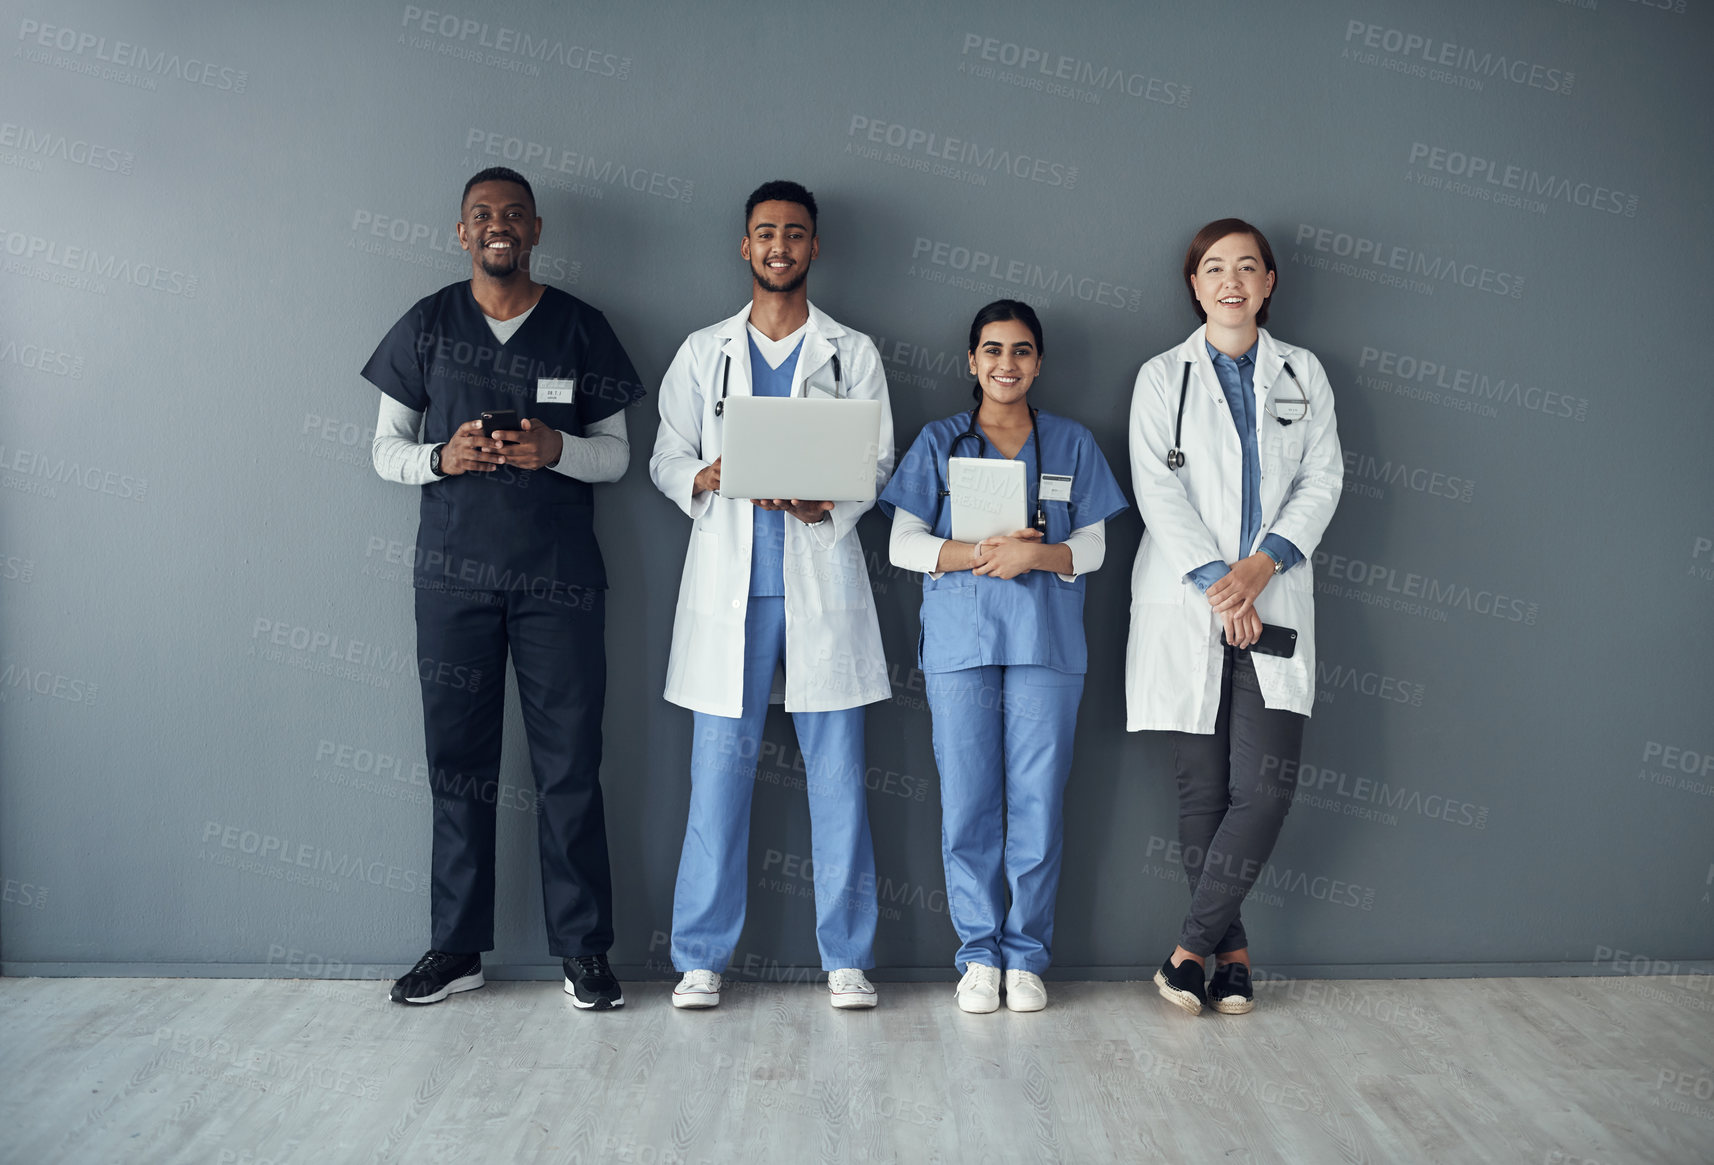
(698, 1001)
(468, 983)
(978, 1007)
(1028, 1005)
(594, 1004)
(1233, 1005)
(1176, 997)
(853, 1000)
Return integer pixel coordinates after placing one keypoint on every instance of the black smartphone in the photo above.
(505, 420)
(1280, 641)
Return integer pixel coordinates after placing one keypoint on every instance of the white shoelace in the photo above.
(848, 981)
(980, 977)
(698, 982)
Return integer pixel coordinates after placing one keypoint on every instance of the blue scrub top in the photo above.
(971, 620)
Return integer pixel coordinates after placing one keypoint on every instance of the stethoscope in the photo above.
(726, 376)
(970, 433)
(1175, 455)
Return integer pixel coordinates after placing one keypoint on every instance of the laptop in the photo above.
(800, 447)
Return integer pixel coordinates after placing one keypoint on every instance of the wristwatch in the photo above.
(1278, 565)
(434, 460)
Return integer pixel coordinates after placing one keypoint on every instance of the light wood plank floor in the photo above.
(1539, 1071)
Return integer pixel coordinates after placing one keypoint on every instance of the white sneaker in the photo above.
(1024, 991)
(697, 989)
(979, 991)
(851, 988)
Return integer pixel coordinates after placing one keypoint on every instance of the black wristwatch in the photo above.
(434, 460)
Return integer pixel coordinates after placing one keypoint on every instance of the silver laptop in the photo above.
(800, 447)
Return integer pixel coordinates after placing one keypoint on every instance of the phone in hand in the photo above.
(1275, 640)
(505, 420)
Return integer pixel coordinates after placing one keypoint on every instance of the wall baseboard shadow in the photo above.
(781, 975)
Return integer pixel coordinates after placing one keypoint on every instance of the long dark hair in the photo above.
(997, 312)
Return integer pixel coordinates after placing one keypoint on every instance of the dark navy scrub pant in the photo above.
(1234, 788)
(559, 656)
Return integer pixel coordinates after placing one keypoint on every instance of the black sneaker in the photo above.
(590, 983)
(437, 975)
(1229, 992)
(1183, 985)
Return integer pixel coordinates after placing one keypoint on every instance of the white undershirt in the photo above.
(913, 546)
(776, 351)
(602, 455)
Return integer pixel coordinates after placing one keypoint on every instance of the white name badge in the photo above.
(556, 392)
(1055, 487)
(1291, 410)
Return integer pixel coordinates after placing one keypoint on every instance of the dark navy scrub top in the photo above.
(512, 529)
(971, 620)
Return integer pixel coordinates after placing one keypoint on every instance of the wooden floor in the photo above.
(1537, 1071)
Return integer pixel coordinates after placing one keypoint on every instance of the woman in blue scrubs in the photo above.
(1003, 653)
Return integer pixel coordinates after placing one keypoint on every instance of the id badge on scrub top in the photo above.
(555, 392)
(1054, 487)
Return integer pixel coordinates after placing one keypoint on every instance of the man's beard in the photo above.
(786, 288)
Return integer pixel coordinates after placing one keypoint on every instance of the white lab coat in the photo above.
(1194, 516)
(833, 639)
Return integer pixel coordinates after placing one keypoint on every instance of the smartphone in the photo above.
(1275, 640)
(505, 420)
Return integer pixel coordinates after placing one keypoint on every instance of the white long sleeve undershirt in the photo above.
(913, 546)
(602, 455)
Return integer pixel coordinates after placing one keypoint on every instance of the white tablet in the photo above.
(988, 497)
(800, 447)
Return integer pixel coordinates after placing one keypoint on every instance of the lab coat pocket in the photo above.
(1154, 581)
(703, 575)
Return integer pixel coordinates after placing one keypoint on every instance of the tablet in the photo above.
(807, 448)
(988, 497)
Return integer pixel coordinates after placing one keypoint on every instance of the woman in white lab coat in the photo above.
(1237, 469)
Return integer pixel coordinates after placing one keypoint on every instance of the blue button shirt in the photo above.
(768, 547)
(1238, 383)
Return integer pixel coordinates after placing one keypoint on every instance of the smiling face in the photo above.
(499, 227)
(779, 245)
(1006, 361)
(1232, 283)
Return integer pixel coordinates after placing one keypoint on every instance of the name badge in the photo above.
(1055, 487)
(1291, 410)
(556, 392)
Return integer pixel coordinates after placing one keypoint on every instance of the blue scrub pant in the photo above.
(559, 657)
(708, 902)
(1002, 741)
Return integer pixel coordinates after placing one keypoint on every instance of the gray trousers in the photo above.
(1232, 801)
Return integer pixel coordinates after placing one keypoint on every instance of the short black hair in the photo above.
(496, 174)
(780, 190)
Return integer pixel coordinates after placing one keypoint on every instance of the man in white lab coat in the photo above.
(763, 581)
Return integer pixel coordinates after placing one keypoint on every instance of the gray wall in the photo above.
(211, 215)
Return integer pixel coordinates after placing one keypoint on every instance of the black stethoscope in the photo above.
(1175, 455)
(970, 433)
(726, 375)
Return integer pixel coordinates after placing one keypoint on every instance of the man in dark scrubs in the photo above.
(506, 561)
